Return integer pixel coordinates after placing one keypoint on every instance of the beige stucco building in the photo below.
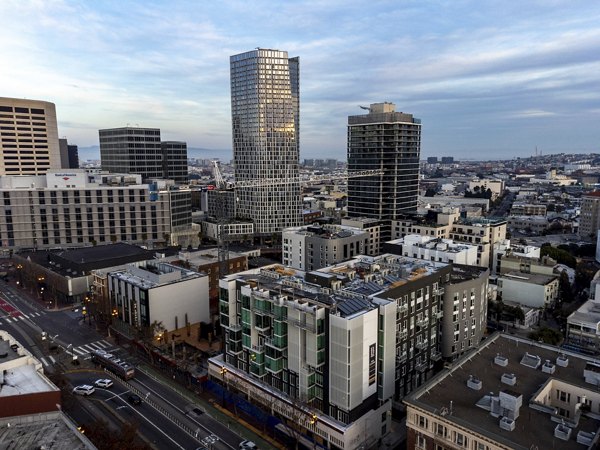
(28, 137)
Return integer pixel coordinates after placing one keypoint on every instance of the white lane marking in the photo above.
(8, 320)
(52, 359)
(44, 362)
(155, 426)
(117, 395)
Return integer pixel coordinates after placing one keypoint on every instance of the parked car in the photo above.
(84, 389)
(134, 399)
(103, 383)
(248, 445)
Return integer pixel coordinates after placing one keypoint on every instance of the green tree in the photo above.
(565, 290)
(547, 336)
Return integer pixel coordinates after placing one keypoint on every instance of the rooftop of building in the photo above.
(347, 286)
(153, 274)
(532, 278)
(51, 430)
(80, 261)
(432, 243)
(203, 257)
(447, 394)
(20, 372)
(592, 194)
(327, 231)
(462, 272)
(481, 221)
(588, 313)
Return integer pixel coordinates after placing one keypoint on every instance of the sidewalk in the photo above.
(241, 428)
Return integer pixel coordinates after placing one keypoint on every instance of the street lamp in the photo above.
(223, 371)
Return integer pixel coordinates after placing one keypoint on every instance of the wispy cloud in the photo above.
(469, 70)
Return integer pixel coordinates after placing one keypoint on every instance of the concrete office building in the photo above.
(389, 141)
(154, 292)
(28, 137)
(313, 247)
(69, 155)
(174, 161)
(76, 208)
(265, 110)
(511, 393)
(433, 249)
(329, 349)
(132, 150)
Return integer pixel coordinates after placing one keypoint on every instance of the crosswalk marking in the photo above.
(90, 347)
(79, 351)
(44, 362)
(52, 359)
(8, 320)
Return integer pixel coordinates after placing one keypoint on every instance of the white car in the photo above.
(84, 389)
(248, 445)
(103, 383)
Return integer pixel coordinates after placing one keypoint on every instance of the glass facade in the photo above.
(265, 108)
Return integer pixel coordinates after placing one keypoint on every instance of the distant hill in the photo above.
(93, 152)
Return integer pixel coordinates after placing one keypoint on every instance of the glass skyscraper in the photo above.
(265, 108)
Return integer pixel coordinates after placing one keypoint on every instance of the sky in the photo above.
(488, 79)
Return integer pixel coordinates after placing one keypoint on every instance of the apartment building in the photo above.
(527, 209)
(464, 308)
(529, 289)
(481, 232)
(329, 349)
(28, 137)
(156, 292)
(432, 249)
(495, 186)
(77, 208)
(374, 227)
(510, 394)
(589, 219)
(446, 224)
(508, 248)
(315, 246)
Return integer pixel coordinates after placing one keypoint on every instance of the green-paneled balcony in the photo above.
(257, 369)
(224, 320)
(274, 364)
(224, 307)
(257, 357)
(280, 328)
(246, 341)
(246, 316)
(279, 342)
(321, 357)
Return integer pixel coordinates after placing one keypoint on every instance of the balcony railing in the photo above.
(436, 356)
(422, 366)
(421, 345)
(400, 359)
(303, 324)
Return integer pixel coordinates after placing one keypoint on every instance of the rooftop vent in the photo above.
(562, 360)
(509, 378)
(548, 367)
(529, 360)
(585, 438)
(501, 360)
(507, 424)
(474, 383)
(562, 432)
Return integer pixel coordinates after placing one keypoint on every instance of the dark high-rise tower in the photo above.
(174, 158)
(389, 141)
(265, 117)
(132, 150)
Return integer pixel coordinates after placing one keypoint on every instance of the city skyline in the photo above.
(488, 81)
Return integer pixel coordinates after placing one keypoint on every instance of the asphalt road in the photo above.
(165, 418)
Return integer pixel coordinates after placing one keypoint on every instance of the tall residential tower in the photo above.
(389, 141)
(265, 119)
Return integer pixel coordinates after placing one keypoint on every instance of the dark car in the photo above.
(134, 399)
